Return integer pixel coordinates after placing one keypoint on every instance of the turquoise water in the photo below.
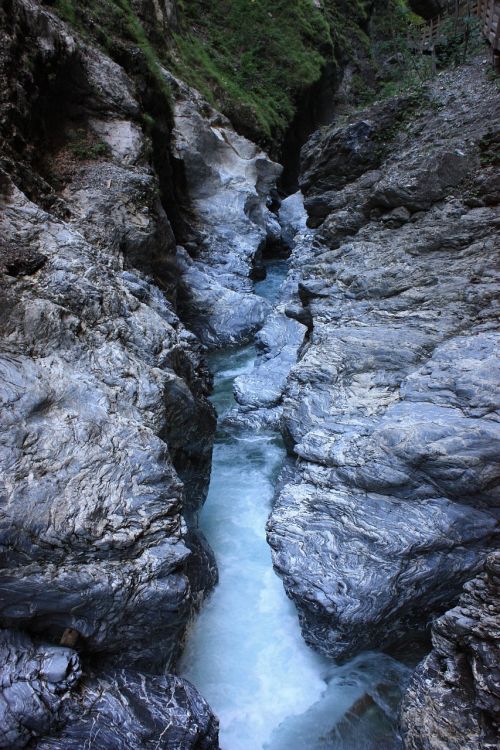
(245, 652)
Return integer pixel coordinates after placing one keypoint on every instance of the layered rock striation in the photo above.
(392, 411)
(453, 700)
(106, 431)
(229, 187)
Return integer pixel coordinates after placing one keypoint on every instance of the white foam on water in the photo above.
(245, 652)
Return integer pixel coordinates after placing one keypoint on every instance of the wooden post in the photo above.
(433, 59)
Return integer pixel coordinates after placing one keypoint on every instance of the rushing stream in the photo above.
(245, 652)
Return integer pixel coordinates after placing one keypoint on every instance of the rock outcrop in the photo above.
(229, 184)
(36, 680)
(392, 410)
(126, 710)
(106, 432)
(453, 700)
(259, 393)
(43, 693)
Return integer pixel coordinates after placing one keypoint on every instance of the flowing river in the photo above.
(245, 652)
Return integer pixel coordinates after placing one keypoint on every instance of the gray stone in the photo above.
(392, 411)
(337, 155)
(229, 181)
(36, 681)
(105, 428)
(292, 218)
(125, 710)
(453, 699)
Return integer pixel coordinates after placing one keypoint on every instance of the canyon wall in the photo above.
(106, 428)
(391, 413)
(453, 699)
(133, 219)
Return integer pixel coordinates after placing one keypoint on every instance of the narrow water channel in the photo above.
(245, 652)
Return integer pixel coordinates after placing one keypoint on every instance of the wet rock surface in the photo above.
(259, 393)
(106, 431)
(44, 695)
(36, 680)
(335, 157)
(229, 184)
(125, 710)
(391, 413)
(453, 700)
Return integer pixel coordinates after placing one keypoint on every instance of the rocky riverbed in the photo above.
(128, 247)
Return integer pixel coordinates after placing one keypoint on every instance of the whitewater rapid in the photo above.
(245, 652)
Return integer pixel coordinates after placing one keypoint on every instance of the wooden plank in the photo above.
(488, 12)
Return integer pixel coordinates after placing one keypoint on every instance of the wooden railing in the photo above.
(489, 13)
(454, 21)
(451, 22)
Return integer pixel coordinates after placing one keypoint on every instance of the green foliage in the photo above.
(400, 34)
(253, 56)
(139, 36)
(493, 76)
(459, 40)
(397, 32)
(66, 9)
(112, 22)
(148, 121)
(489, 148)
(84, 146)
(347, 20)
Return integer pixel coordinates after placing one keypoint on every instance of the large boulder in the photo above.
(36, 681)
(336, 156)
(105, 428)
(126, 710)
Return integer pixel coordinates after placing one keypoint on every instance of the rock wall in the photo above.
(392, 411)
(106, 432)
(453, 700)
(229, 186)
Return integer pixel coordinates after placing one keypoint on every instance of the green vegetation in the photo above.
(489, 147)
(66, 9)
(83, 145)
(348, 21)
(395, 50)
(114, 24)
(139, 36)
(252, 57)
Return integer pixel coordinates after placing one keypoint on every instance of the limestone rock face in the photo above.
(229, 182)
(292, 218)
(115, 708)
(336, 156)
(453, 699)
(392, 412)
(105, 429)
(259, 393)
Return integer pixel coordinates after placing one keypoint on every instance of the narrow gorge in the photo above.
(249, 376)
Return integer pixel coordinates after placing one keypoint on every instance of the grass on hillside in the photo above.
(115, 19)
(253, 59)
(252, 56)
